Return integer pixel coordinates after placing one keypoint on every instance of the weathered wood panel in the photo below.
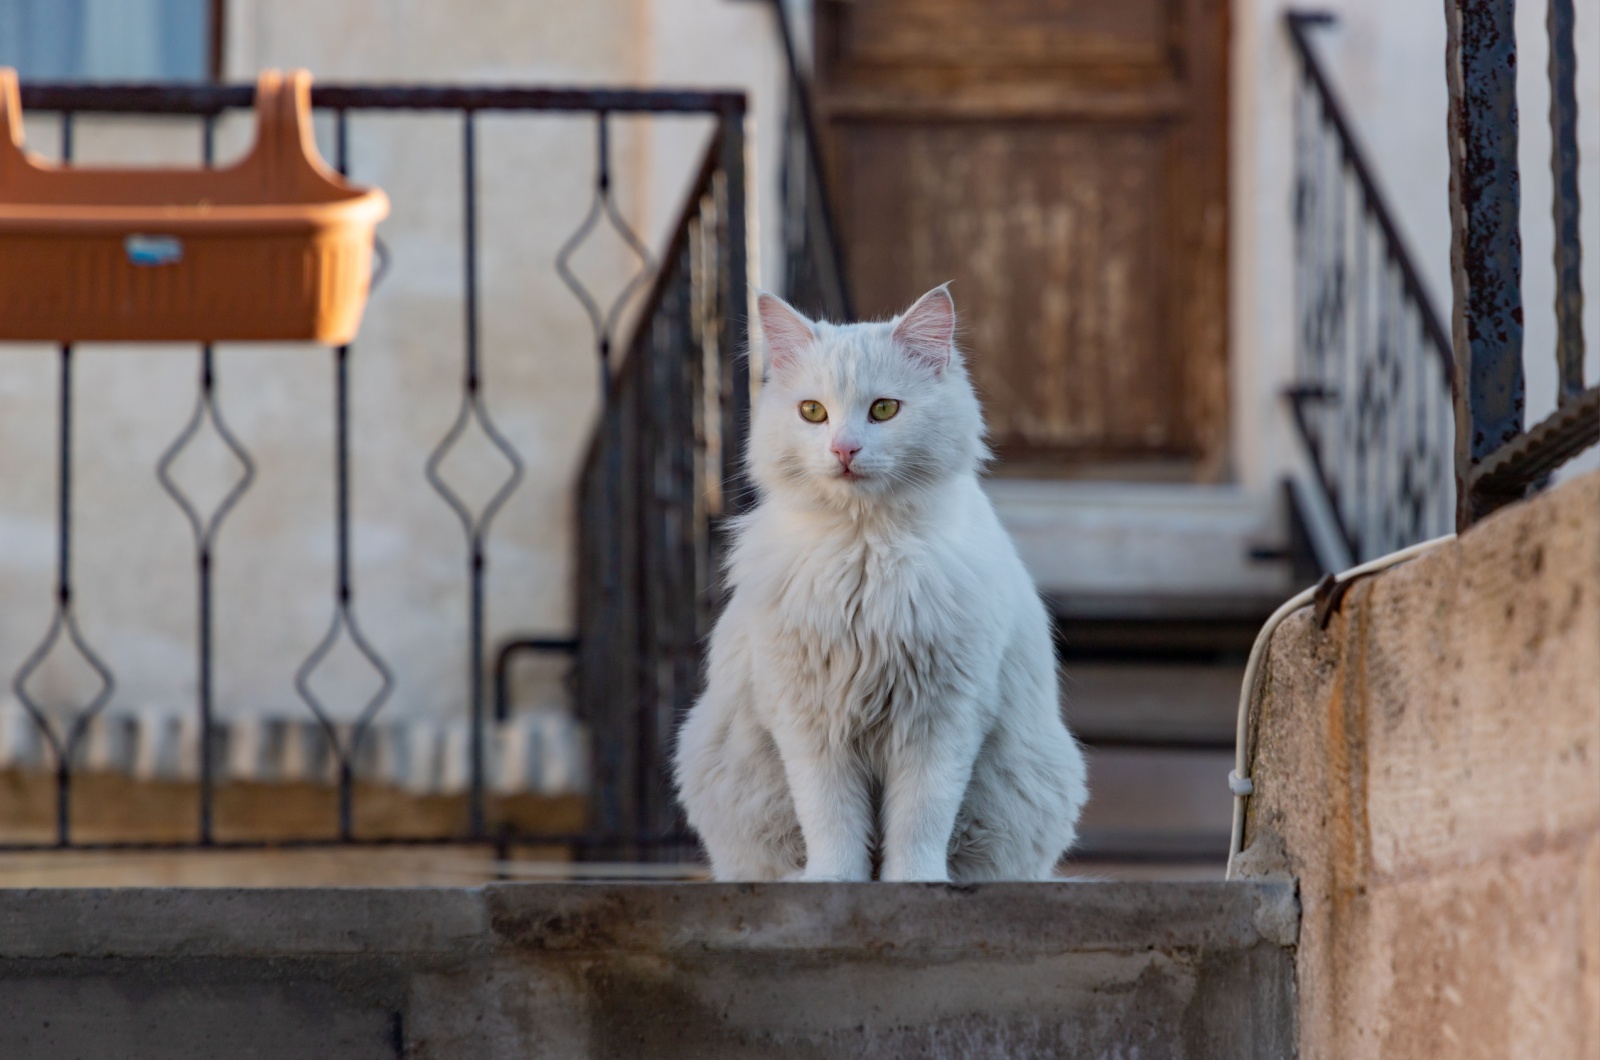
(1065, 164)
(1004, 33)
(1055, 253)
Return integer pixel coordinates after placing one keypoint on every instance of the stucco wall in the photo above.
(133, 557)
(1428, 767)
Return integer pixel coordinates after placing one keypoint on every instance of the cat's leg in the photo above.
(732, 786)
(756, 835)
(924, 784)
(1022, 805)
(832, 798)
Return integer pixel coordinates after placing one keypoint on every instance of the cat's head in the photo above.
(853, 412)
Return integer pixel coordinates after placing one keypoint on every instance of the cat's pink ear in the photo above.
(785, 331)
(927, 331)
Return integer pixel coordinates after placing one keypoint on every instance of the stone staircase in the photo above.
(1154, 702)
(1158, 591)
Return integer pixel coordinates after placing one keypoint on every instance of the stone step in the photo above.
(652, 970)
(1159, 737)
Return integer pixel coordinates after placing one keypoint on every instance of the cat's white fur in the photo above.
(882, 683)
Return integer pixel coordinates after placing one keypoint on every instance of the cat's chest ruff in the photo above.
(857, 636)
(858, 592)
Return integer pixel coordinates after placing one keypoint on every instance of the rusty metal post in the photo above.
(1485, 240)
(1563, 71)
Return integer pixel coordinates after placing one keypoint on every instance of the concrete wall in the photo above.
(1428, 767)
(1155, 971)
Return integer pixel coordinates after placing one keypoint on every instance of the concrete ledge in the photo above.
(651, 970)
(266, 924)
(896, 922)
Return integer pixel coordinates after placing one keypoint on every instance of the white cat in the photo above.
(882, 684)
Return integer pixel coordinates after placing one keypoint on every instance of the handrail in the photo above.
(201, 99)
(815, 278)
(673, 418)
(1375, 370)
(662, 473)
(1298, 23)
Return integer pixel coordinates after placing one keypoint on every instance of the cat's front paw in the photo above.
(829, 876)
(914, 872)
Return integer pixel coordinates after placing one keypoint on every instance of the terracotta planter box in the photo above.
(275, 247)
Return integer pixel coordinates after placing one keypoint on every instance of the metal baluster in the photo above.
(735, 312)
(1386, 401)
(1305, 366)
(621, 686)
(63, 618)
(1351, 459)
(1412, 430)
(1563, 69)
(604, 205)
(1486, 239)
(475, 525)
(1337, 190)
(204, 530)
(344, 616)
(469, 178)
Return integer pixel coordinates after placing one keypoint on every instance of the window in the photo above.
(108, 40)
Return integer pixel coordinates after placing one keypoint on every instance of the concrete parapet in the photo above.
(1428, 768)
(651, 970)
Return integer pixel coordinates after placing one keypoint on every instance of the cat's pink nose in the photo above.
(845, 449)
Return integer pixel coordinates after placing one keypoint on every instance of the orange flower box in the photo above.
(275, 247)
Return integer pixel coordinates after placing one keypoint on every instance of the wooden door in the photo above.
(1064, 162)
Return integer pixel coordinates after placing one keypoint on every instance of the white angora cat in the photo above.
(882, 684)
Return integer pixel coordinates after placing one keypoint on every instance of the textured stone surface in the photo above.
(1430, 764)
(641, 970)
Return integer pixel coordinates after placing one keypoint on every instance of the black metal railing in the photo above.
(1373, 368)
(1497, 460)
(1386, 400)
(662, 475)
(663, 468)
(814, 271)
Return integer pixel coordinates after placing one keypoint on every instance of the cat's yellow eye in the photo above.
(812, 411)
(883, 409)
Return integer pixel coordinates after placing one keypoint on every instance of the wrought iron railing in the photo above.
(1373, 368)
(1414, 430)
(661, 471)
(814, 271)
(662, 476)
(1497, 460)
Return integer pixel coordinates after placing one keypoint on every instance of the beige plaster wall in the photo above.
(1429, 768)
(133, 556)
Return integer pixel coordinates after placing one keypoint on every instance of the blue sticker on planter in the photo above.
(154, 250)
